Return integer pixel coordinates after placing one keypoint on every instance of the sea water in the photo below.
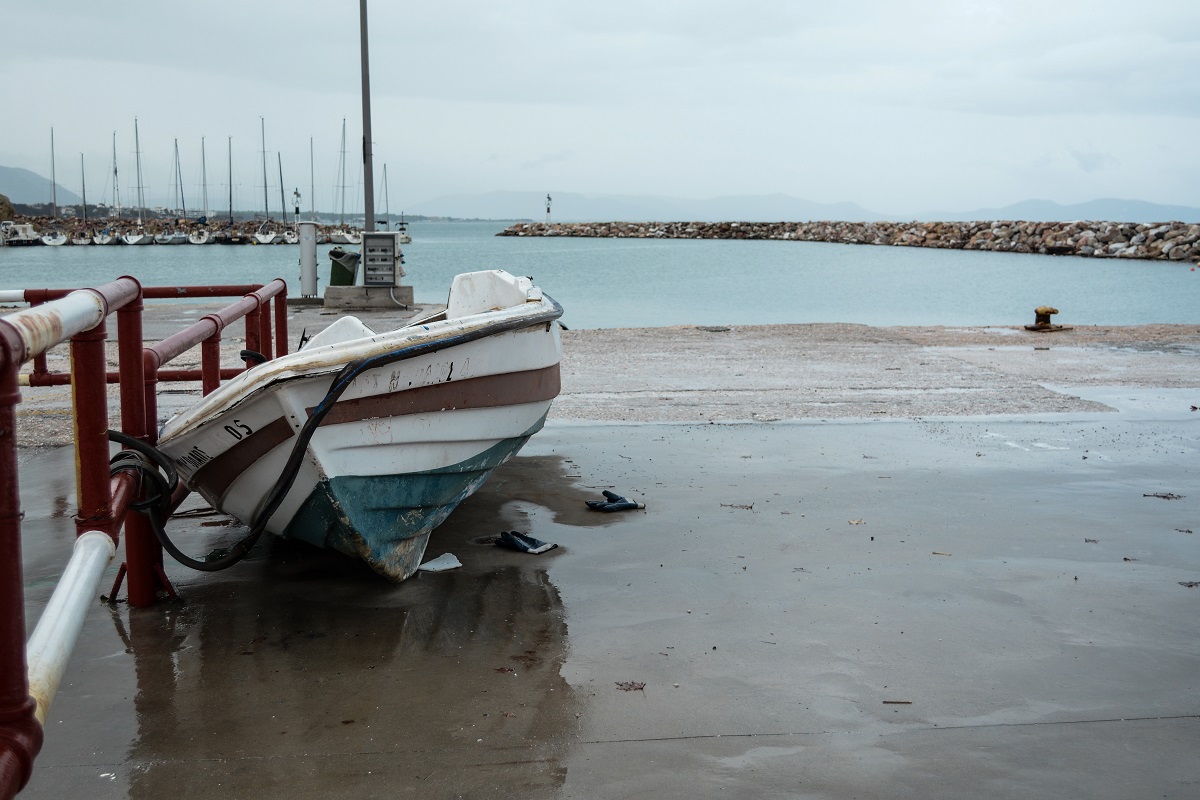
(610, 283)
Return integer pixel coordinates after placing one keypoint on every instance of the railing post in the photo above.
(281, 326)
(265, 329)
(132, 369)
(254, 334)
(89, 396)
(20, 733)
(210, 363)
(143, 553)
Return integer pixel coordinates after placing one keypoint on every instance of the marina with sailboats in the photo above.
(118, 221)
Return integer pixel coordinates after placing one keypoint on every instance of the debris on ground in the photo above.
(1190, 584)
(857, 521)
(513, 540)
(613, 502)
(1164, 496)
(443, 563)
(739, 506)
(1091, 541)
(631, 686)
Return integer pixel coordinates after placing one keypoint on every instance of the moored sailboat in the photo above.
(201, 234)
(53, 237)
(139, 235)
(83, 234)
(342, 234)
(108, 234)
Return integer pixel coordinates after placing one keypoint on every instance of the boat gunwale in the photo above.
(398, 345)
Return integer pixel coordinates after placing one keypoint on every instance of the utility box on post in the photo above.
(381, 258)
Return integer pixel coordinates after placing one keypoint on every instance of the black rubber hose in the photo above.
(147, 458)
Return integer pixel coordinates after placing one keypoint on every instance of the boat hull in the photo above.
(391, 516)
(403, 445)
(345, 237)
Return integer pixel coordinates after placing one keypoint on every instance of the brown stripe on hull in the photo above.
(488, 391)
(217, 475)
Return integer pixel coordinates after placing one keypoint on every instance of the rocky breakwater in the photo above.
(1174, 241)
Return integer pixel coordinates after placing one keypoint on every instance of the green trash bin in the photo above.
(343, 267)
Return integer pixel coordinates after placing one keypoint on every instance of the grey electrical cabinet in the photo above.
(381, 258)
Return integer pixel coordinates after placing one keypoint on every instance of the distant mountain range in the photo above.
(25, 187)
(1109, 208)
(569, 207)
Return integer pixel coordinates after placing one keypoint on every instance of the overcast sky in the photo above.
(899, 105)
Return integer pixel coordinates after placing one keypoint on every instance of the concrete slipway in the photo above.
(815, 609)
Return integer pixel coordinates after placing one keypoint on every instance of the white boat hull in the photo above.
(345, 237)
(404, 443)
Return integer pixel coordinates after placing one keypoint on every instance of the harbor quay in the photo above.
(872, 562)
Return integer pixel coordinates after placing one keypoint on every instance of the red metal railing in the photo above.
(56, 315)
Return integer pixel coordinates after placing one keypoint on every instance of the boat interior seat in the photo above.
(344, 329)
(488, 290)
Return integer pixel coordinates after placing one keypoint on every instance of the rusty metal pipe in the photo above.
(281, 326)
(20, 733)
(89, 398)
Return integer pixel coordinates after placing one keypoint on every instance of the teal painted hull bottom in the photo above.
(386, 520)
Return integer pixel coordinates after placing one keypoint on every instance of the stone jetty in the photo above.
(1174, 241)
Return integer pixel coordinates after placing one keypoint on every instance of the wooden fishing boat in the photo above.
(364, 442)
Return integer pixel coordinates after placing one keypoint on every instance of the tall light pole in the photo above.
(368, 172)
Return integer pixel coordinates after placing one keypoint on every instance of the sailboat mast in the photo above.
(53, 178)
(368, 174)
(179, 180)
(282, 203)
(116, 190)
(83, 181)
(387, 207)
(266, 211)
(231, 180)
(204, 177)
(342, 177)
(137, 151)
(312, 184)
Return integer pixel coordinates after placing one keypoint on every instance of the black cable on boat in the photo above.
(147, 461)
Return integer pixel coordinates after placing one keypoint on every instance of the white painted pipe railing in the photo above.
(49, 648)
(42, 327)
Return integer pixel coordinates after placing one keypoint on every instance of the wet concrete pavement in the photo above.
(883, 608)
